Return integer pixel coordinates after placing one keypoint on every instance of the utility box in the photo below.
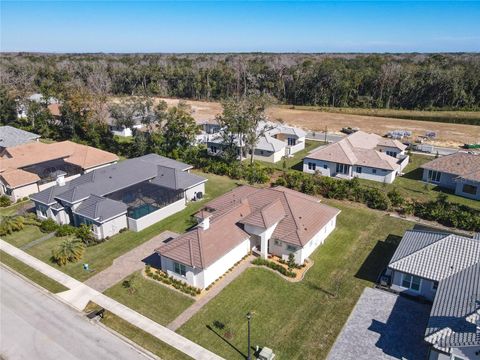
(266, 354)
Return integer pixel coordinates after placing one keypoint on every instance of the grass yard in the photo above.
(296, 161)
(13, 209)
(153, 300)
(30, 273)
(410, 185)
(25, 236)
(301, 320)
(138, 336)
(102, 255)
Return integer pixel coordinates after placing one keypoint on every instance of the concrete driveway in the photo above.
(383, 326)
(129, 262)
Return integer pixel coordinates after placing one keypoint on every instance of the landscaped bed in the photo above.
(301, 320)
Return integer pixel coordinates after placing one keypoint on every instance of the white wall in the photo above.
(23, 191)
(124, 132)
(264, 234)
(425, 286)
(156, 216)
(111, 227)
(191, 277)
(459, 190)
(190, 193)
(298, 147)
(268, 156)
(53, 183)
(317, 240)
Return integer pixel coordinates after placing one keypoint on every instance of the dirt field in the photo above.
(449, 135)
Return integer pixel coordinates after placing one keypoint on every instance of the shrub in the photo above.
(84, 233)
(395, 198)
(274, 266)
(11, 224)
(68, 251)
(5, 201)
(123, 230)
(177, 284)
(48, 226)
(65, 230)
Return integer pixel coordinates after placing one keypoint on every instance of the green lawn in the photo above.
(296, 161)
(411, 186)
(153, 300)
(301, 320)
(25, 236)
(32, 274)
(13, 209)
(101, 256)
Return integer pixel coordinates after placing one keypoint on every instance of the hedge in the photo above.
(274, 266)
(170, 280)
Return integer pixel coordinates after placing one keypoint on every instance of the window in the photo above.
(291, 141)
(261, 152)
(434, 175)
(291, 248)
(374, 171)
(312, 166)
(213, 149)
(469, 189)
(325, 166)
(411, 282)
(342, 168)
(392, 153)
(180, 269)
(359, 169)
(278, 243)
(435, 285)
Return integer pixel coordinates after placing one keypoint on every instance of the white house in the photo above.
(275, 221)
(362, 155)
(134, 194)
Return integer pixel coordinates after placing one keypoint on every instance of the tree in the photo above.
(84, 233)
(69, 250)
(11, 224)
(8, 107)
(291, 262)
(179, 131)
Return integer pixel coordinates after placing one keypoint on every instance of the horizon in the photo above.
(286, 27)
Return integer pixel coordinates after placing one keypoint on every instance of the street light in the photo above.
(249, 317)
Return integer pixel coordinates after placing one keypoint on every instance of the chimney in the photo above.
(61, 179)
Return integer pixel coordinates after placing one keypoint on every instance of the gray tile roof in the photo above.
(175, 179)
(456, 310)
(414, 240)
(164, 161)
(11, 136)
(100, 209)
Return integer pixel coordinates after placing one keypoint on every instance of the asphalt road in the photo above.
(320, 136)
(34, 325)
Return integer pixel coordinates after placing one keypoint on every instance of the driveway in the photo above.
(129, 262)
(383, 326)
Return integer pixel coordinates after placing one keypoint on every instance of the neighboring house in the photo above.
(52, 103)
(275, 221)
(11, 136)
(459, 172)
(362, 155)
(276, 143)
(443, 268)
(134, 194)
(32, 167)
(124, 131)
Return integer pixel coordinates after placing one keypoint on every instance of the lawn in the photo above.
(25, 236)
(301, 320)
(101, 256)
(32, 274)
(153, 300)
(296, 161)
(13, 209)
(411, 186)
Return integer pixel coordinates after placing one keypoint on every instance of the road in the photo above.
(320, 136)
(34, 325)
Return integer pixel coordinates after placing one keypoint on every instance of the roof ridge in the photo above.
(200, 249)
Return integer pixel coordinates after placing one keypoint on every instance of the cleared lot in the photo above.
(383, 326)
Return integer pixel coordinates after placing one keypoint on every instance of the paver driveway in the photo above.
(383, 326)
(129, 262)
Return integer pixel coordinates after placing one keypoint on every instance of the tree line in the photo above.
(403, 81)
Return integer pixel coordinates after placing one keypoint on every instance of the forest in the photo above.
(389, 81)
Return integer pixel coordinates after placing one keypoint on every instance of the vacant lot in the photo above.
(301, 320)
(449, 135)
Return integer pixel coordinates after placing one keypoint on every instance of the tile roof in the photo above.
(463, 164)
(298, 217)
(11, 136)
(358, 148)
(17, 177)
(100, 209)
(175, 179)
(288, 130)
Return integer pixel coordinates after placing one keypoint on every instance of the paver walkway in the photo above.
(128, 263)
(80, 294)
(214, 291)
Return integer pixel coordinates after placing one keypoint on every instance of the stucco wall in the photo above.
(112, 227)
(156, 216)
(191, 276)
(53, 183)
(268, 156)
(425, 287)
(190, 193)
(459, 189)
(298, 147)
(446, 180)
(23, 191)
(317, 240)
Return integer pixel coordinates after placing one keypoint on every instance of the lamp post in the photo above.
(249, 317)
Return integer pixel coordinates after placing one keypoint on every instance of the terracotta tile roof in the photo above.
(17, 177)
(357, 149)
(463, 164)
(54, 109)
(298, 218)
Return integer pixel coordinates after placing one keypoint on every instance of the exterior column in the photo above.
(264, 246)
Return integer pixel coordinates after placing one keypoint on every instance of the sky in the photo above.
(253, 26)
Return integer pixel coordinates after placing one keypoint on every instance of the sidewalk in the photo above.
(80, 294)
(197, 305)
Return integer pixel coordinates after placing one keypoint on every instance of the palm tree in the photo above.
(69, 250)
(11, 224)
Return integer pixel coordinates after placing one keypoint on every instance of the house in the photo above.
(52, 103)
(275, 221)
(133, 194)
(443, 268)
(32, 167)
(459, 172)
(362, 155)
(11, 136)
(124, 131)
(273, 145)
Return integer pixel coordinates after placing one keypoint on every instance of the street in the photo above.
(34, 325)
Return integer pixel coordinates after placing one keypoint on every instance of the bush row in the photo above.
(274, 266)
(170, 280)
(439, 210)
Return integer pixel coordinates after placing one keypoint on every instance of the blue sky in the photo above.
(287, 26)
